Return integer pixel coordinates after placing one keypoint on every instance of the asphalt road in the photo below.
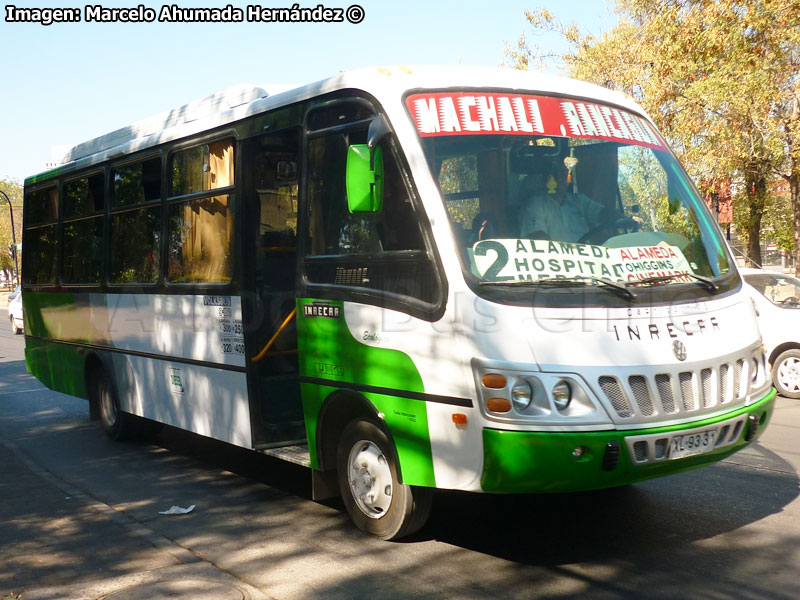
(79, 518)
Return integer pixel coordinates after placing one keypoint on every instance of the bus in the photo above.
(404, 279)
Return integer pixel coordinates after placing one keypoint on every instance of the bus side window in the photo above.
(383, 251)
(135, 214)
(82, 229)
(200, 229)
(40, 236)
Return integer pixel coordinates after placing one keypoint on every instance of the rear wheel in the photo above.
(117, 424)
(786, 373)
(371, 490)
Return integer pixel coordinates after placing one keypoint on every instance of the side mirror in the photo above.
(364, 179)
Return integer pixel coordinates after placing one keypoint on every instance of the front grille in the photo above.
(641, 394)
(705, 379)
(737, 379)
(678, 394)
(723, 383)
(687, 393)
(664, 387)
(615, 395)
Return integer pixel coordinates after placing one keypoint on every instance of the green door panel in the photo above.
(329, 352)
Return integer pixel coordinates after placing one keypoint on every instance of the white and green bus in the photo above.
(407, 280)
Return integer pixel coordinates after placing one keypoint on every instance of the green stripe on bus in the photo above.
(52, 315)
(43, 176)
(58, 366)
(535, 462)
(328, 350)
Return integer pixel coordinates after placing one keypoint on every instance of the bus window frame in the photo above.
(112, 210)
(50, 183)
(105, 170)
(411, 305)
(233, 192)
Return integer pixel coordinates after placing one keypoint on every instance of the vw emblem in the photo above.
(679, 350)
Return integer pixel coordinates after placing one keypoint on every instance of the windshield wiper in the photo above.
(619, 288)
(700, 279)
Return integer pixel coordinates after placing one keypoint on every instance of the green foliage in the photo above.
(777, 222)
(14, 192)
(719, 78)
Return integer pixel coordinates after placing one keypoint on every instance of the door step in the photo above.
(297, 454)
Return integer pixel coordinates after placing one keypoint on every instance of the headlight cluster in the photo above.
(521, 395)
(529, 396)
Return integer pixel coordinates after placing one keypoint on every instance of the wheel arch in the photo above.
(92, 364)
(781, 349)
(340, 408)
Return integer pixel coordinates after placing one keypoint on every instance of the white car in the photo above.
(15, 311)
(777, 300)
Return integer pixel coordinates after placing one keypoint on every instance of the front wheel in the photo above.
(14, 329)
(371, 490)
(786, 373)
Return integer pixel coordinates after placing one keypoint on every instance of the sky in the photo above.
(66, 83)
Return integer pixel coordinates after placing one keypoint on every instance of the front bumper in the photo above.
(527, 462)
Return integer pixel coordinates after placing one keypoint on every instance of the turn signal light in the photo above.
(498, 405)
(459, 418)
(494, 381)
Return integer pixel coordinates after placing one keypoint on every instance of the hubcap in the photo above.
(108, 412)
(370, 479)
(789, 374)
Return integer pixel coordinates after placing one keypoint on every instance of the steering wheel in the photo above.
(612, 224)
(791, 301)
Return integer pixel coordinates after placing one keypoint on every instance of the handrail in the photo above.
(266, 348)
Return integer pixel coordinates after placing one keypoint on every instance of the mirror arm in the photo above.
(378, 130)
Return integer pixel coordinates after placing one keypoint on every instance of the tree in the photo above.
(14, 192)
(719, 78)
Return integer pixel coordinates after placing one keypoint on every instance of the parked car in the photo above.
(15, 311)
(777, 300)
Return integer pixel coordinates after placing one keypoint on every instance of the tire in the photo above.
(371, 490)
(14, 329)
(786, 373)
(118, 425)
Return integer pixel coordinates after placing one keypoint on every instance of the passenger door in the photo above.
(270, 167)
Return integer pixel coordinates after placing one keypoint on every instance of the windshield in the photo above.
(781, 290)
(540, 188)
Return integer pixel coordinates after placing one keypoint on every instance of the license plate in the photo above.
(681, 446)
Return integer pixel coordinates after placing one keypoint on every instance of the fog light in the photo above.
(521, 395)
(562, 395)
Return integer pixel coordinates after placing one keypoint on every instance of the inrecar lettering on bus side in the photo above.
(322, 309)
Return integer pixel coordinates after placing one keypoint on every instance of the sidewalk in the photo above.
(57, 543)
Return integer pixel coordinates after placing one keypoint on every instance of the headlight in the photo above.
(562, 395)
(521, 395)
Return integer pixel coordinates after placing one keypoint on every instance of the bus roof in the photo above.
(385, 83)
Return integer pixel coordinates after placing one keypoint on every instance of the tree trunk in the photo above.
(757, 197)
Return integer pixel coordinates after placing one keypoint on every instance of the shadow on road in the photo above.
(659, 516)
(724, 531)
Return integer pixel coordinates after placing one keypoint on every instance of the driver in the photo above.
(561, 214)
